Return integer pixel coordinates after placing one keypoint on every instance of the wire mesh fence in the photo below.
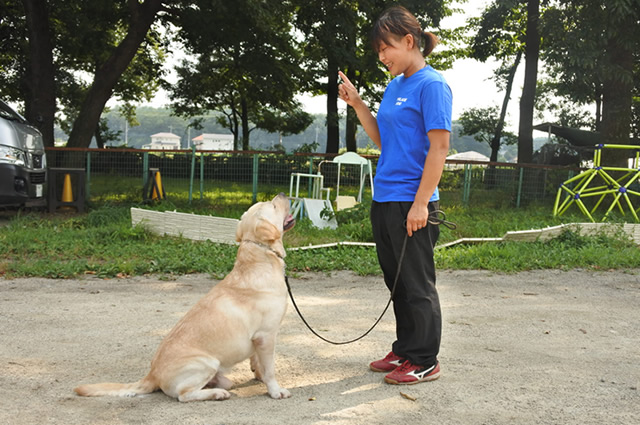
(123, 175)
(502, 183)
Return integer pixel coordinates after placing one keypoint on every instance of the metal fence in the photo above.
(121, 175)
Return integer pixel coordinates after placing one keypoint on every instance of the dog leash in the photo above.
(439, 218)
(393, 290)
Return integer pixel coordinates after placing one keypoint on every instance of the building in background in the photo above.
(213, 142)
(167, 141)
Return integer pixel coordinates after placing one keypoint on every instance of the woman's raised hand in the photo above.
(349, 94)
(347, 91)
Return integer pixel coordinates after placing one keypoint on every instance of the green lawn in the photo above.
(103, 242)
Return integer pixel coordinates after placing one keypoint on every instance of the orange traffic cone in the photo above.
(157, 192)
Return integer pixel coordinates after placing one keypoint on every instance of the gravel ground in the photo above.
(543, 347)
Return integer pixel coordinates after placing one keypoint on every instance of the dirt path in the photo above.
(543, 347)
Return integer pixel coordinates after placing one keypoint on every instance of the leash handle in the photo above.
(393, 290)
(438, 217)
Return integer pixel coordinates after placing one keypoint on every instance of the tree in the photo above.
(142, 14)
(40, 96)
(481, 123)
(67, 41)
(285, 123)
(527, 100)
(245, 66)
(506, 30)
(497, 34)
(326, 26)
(592, 51)
(573, 79)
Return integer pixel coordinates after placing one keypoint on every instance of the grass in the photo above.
(103, 243)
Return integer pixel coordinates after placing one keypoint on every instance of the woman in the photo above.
(412, 130)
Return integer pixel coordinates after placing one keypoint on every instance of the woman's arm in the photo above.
(433, 166)
(349, 94)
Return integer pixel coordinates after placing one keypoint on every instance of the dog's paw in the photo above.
(280, 393)
(204, 394)
(221, 394)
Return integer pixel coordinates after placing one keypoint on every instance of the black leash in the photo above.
(437, 218)
(393, 290)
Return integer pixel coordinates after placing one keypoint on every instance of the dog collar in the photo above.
(267, 247)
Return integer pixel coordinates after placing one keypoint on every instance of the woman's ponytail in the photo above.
(429, 42)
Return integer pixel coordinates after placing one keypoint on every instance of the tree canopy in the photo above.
(249, 60)
(481, 123)
(245, 64)
(64, 60)
(592, 51)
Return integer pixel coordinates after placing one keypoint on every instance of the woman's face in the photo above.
(395, 56)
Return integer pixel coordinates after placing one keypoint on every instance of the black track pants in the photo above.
(415, 303)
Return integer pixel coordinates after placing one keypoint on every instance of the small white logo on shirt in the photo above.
(400, 100)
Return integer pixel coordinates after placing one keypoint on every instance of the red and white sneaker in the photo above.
(408, 374)
(388, 364)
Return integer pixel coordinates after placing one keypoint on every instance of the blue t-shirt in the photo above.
(410, 108)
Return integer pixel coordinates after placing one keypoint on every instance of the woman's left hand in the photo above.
(417, 218)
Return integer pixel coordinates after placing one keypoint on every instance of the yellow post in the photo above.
(157, 193)
(67, 191)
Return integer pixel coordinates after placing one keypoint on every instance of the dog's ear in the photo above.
(266, 231)
(240, 228)
(239, 232)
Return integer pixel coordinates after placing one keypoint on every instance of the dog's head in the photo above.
(266, 222)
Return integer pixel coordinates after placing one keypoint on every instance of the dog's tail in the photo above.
(144, 386)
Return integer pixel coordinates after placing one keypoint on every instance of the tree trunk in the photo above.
(351, 130)
(598, 95)
(99, 138)
(40, 104)
(107, 75)
(495, 142)
(333, 119)
(352, 121)
(244, 117)
(233, 125)
(531, 53)
(236, 131)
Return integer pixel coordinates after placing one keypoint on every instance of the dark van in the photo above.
(23, 164)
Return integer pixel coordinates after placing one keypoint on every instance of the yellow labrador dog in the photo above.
(238, 319)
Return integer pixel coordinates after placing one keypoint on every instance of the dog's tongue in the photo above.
(289, 222)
